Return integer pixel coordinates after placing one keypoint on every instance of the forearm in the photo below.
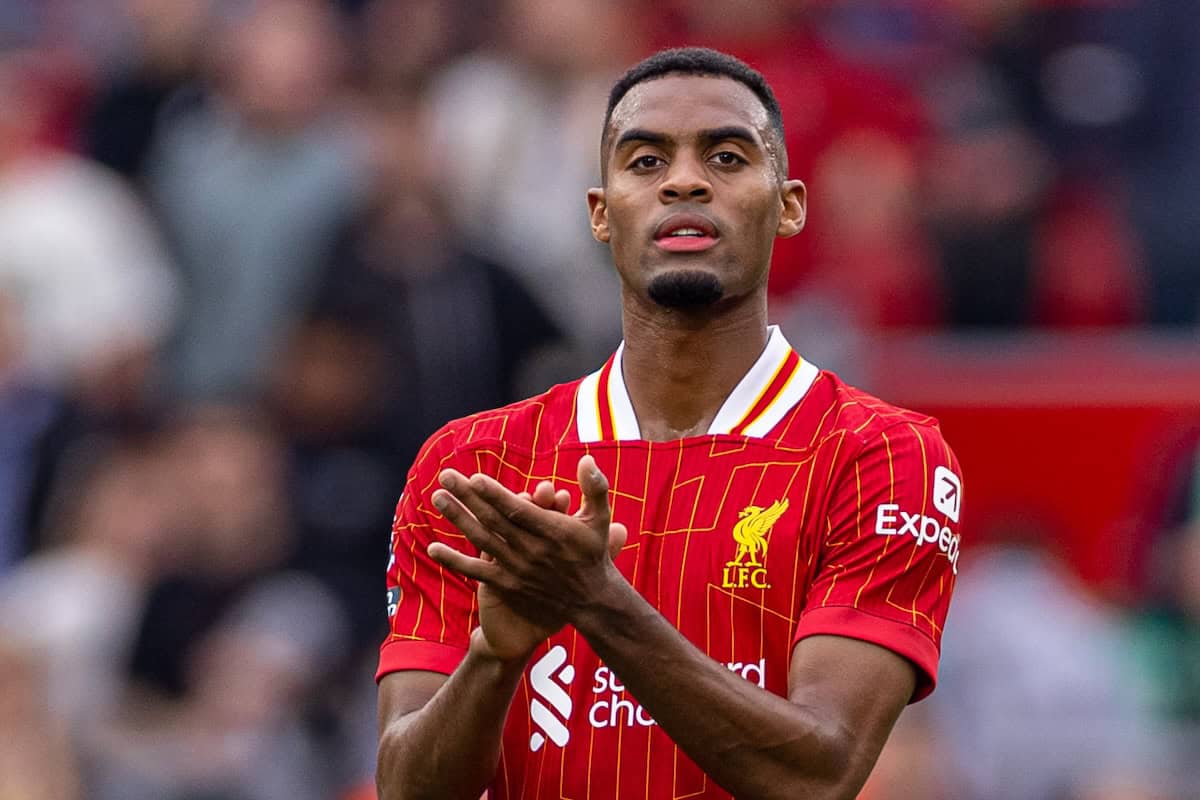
(450, 748)
(753, 743)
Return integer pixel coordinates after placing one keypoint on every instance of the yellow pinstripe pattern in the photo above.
(681, 502)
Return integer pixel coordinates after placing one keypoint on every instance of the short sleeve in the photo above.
(431, 611)
(889, 559)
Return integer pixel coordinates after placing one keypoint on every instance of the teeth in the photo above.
(687, 232)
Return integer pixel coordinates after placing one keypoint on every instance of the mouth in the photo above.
(686, 233)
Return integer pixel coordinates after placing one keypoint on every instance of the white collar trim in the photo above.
(778, 381)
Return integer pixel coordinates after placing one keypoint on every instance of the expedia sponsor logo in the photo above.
(891, 520)
(947, 493)
(748, 567)
(393, 600)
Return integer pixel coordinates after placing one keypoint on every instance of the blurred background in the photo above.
(252, 253)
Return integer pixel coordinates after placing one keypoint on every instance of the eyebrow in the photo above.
(710, 135)
(641, 135)
(730, 132)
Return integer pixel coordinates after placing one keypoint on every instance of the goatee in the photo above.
(686, 290)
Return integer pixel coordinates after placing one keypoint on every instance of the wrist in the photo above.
(480, 649)
(612, 608)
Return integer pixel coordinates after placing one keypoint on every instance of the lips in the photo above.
(686, 233)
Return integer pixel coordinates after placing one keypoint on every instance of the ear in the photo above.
(794, 198)
(598, 212)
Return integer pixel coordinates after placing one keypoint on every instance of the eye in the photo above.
(646, 162)
(728, 158)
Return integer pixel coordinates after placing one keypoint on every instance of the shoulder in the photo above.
(541, 422)
(833, 409)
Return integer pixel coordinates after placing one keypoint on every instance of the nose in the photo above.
(686, 179)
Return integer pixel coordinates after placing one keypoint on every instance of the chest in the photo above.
(724, 533)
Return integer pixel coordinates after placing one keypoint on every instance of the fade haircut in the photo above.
(700, 61)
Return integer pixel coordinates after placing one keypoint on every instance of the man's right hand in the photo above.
(508, 631)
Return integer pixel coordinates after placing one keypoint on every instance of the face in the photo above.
(692, 199)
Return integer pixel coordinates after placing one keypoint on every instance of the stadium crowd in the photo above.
(253, 252)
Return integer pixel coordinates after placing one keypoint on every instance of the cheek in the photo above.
(763, 214)
(622, 224)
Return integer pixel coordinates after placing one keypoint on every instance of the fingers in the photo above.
(618, 534)
(502, 513)
(475, 568)
(543, 494)
(594, 487)
(547, 497)
(478, 532)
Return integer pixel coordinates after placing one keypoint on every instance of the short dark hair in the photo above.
(704, 62)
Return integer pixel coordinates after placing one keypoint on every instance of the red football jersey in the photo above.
(808, 508)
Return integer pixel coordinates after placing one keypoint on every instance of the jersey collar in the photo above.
(773, 386)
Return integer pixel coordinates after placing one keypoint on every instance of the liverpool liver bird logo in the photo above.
(751, 531)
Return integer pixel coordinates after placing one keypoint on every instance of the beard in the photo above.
(686, 290)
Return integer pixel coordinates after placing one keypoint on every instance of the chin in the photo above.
(686, 289)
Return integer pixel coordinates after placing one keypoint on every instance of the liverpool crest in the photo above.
(748, 567)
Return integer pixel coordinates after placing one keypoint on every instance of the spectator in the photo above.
(239, 732)
(409, 329)
(113, 539)
(253, 187)
(1156, 42)
(83, 266)
(1034, 702)
(230, 463)
(87, 294)
(433, 32)
(520, 147)
(1164, 635)
(163, 58)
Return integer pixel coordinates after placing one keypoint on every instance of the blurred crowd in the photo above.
(253, 252)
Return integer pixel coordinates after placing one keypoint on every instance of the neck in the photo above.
(679, 367)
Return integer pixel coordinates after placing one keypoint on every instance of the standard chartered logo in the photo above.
(550, 689)
(611, 706)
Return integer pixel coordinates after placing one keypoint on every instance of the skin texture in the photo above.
(440, 737)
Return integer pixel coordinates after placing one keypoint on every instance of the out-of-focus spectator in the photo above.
(409, 330)
(253, 187)
(433, 32)
(1164, 635)
(518, 130)
(458, 330)
(113, 537)
(1034, 701)
(343, 464)
(1167, 637)
(36, 760)
(237, 528)
(239, 732)
(83, 270)
(165, 52)
(1024, 187)
(86, 294)
(1161, 155)
(986, 177)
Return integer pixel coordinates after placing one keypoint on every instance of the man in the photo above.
(754, 581)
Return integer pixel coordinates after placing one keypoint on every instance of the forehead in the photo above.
(679, 105)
